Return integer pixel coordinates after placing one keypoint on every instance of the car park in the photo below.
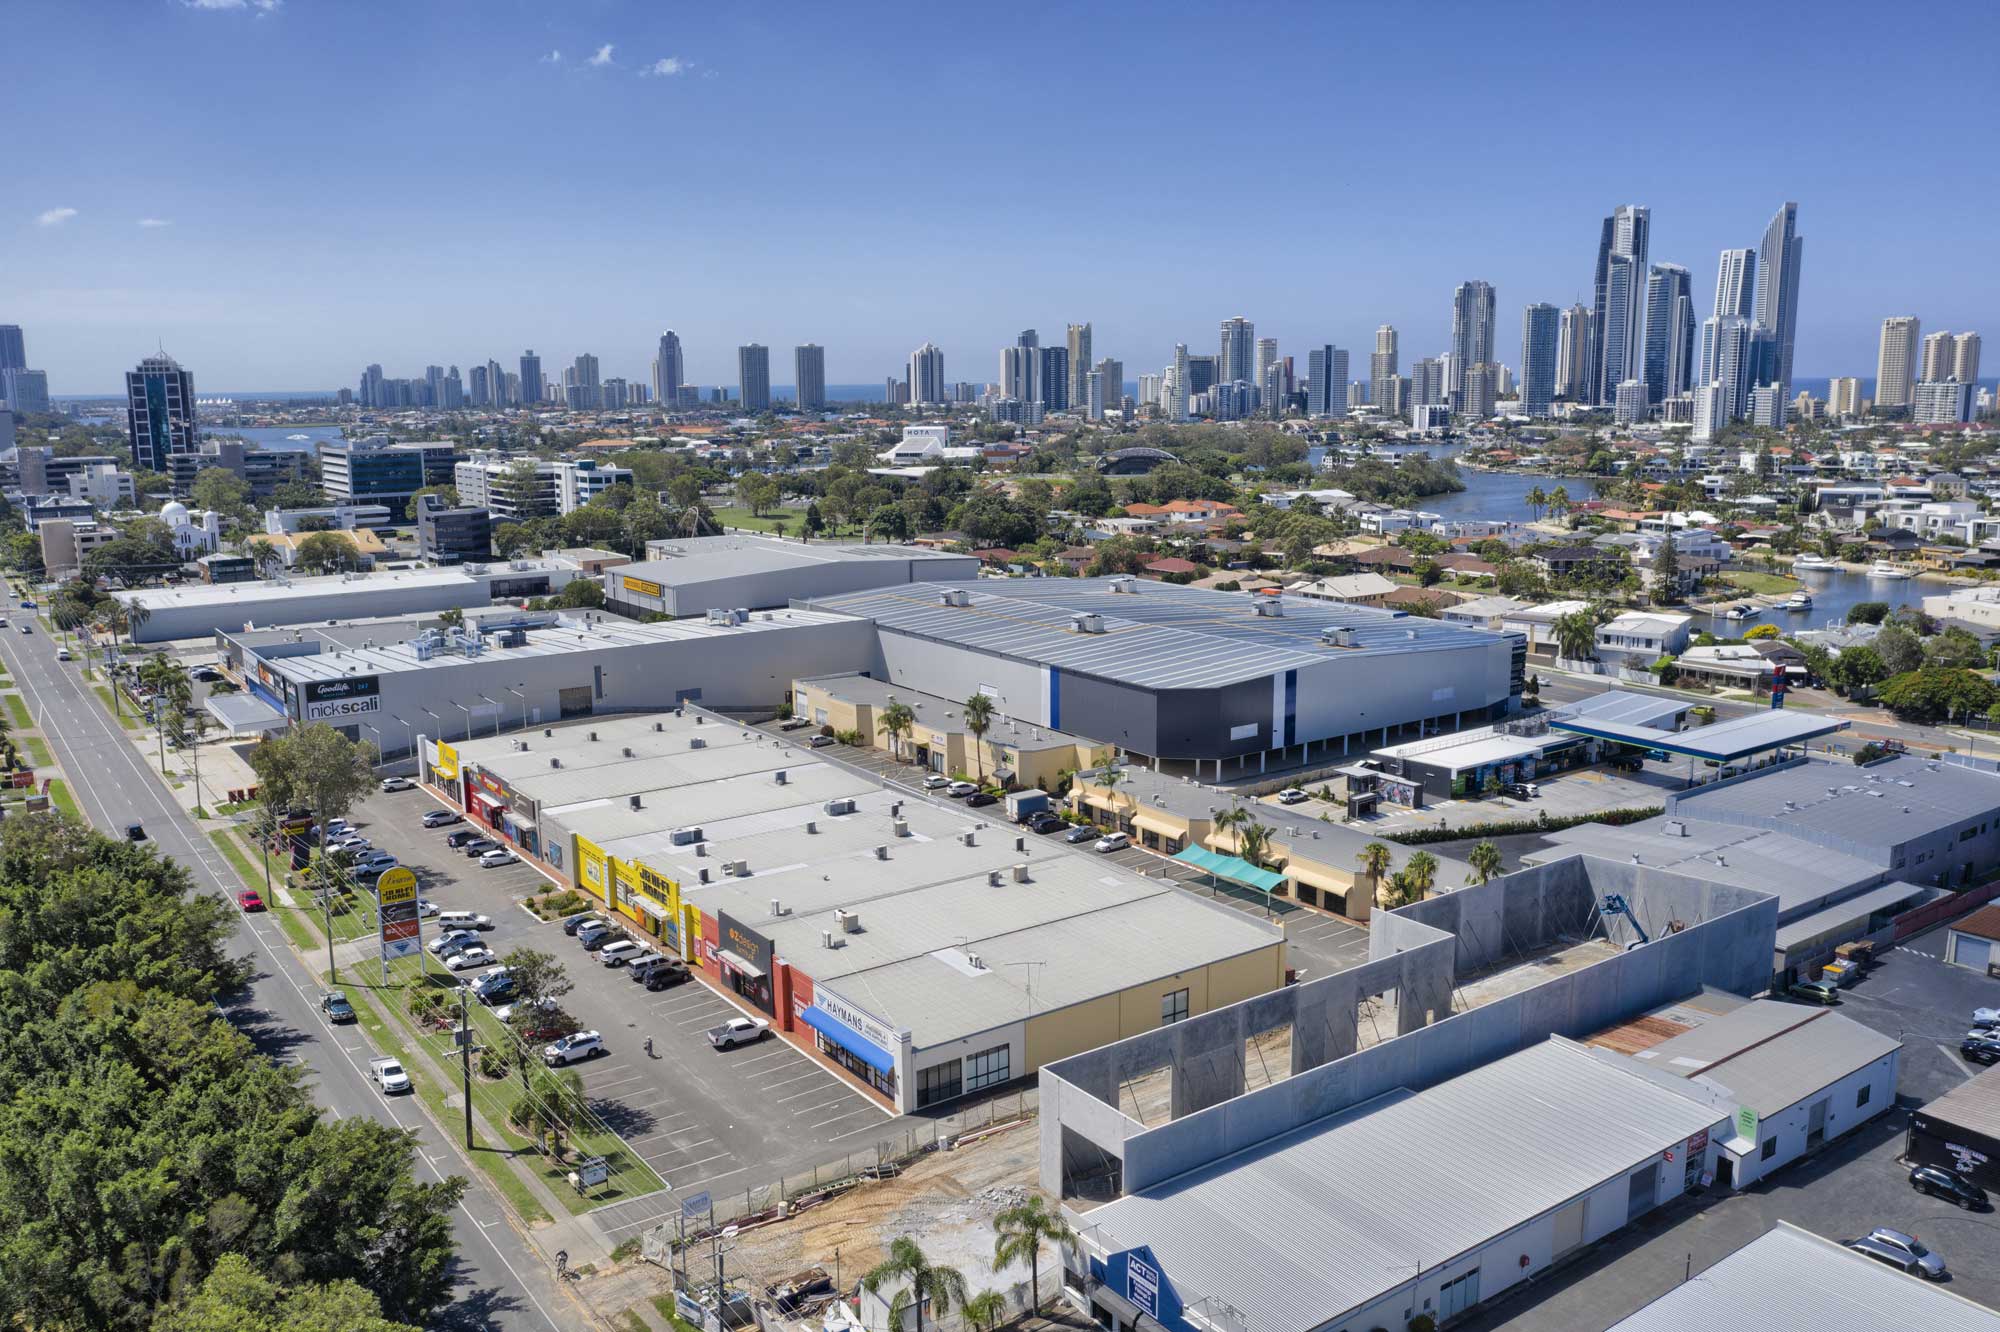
(574, 923)
(1981, 1049)
(959, 790)
(479, 846)
(1903, 1252)
(1117, 841)
(1045, 823)
(1953, 1188)
(475, 955)
(457, 840)
(1082, 832)
(497, 857)
(575, 1046)
(738, 1031)
(1291, 795)
(620, 951)
(334, 1004)
(249, 900)
(390, 784)
(981, 799)
(440, 818)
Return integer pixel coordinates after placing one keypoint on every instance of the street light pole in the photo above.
(496, 712)
(516, 692)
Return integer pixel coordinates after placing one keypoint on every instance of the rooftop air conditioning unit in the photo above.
(696, 742)
(1270, 606)
(840, 805)
(737, 868)
(968, 837)
(780, 776)
(954, 597)
(555, 763)
(881, 853)
(972, 960)
(659, 726)
(632, 802)
(849, 921)
(1342, 637)
(1085, 622)
(593, 735)
(993, 878)
(684, 836)
(901, 827)
(548, 734)
(1675, 828)
(826, 939)
(704, 873)
(1020, 873)
(701, 848)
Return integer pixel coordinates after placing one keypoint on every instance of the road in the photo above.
(501, 1282)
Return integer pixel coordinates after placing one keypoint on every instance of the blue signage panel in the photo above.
(1136, 1277)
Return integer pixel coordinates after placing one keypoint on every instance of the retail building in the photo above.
(689, 576)
(1960, 1131)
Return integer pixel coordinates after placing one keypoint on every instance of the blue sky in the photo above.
(346, 181)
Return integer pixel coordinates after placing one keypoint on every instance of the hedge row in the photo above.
(1541, 823)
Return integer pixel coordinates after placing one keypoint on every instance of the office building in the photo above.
(1237, 358)
(1843, 396)
(13, 348)
(453, 535)
(159, 411)
(532, 385)
(1669, 361)
(1942, 402)
(753, 377)
(1896, 368)
(1383, 370)
(1778, 296)
(1472, 312)
(1326, 382)
(263, 470)
(1540, 345)
(809, 371)
(1736, 285)
(1202, 374)
(927, 386)
(374, 469)
(667, 377)
(1079, 364)
(1054, 379)
(516, 486)
(25, 390)
(1965, 358)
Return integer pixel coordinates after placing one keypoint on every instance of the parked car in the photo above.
(496, 985)
(959, 790)
(665, 978)
(1953, 1188)
(1291, 795)
(820, 741)
(1900, 1251)
(932, 781)
(203, 674)
(1986, 1017)
(1045, 823)
(574, 923)
(497, 857)
(457, 840)
(508, 1012)
(1626, 763)
(373, 859)
(1082, 832)
(389, 1076)
(1116, 841)
(338, 827)
(464, 920)
(334, 1004)
(1980, 1049)
(441, 818)
(397, 784)
(738, 1031)
(451, 939)
(427, 908)
(619, 952)
(27, 628)
(794, 724)
(644, 968)
(479, 846)
(981, 799)
(575, 1046)
(353, 843)
(594, 937)
(1815, 992)
(475, 955)
(1523, 790)
(248, 900)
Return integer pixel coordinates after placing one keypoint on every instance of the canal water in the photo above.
(280, 439)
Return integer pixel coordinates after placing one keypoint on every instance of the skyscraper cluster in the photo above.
(21, 389)
(1935, 378)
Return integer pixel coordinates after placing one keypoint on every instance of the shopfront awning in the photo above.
(737, 962)
(1233, 868)
(1158, 827)
(848, 1039)
(648, 905)
(245, 715)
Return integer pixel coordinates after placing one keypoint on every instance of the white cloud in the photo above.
(603, 56)
(55, 217)
(667, 68)
(261, 6)
(156, 221)
(552, 58)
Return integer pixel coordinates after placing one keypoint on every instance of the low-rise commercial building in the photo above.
(1974, 941)
(453, 535)
(1960, 1131)
(547, 488)
(380, 470)
(694, 575)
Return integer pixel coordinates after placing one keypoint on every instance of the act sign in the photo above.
(396, 908)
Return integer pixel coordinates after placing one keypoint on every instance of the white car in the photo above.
(426, 907)
(1117, 841)
(960, 790)
(506, 1012)
(452, 939)
(618, 954)
(1291, 795)
(389, 1076)
(738, 1031)
(398, 784)
(476, 956)
(1986, 1017)
(935, 780)
(62, 654)
(578, 1045)
(497, 857)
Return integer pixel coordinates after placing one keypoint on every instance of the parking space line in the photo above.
(594, 1088)
(719, 1156)
(679, 1146)
(783, 1072)
(775, 1054)
(835, 1120)
(706, 1019)
(682, 1002)
(808, 1109)
(810, 1091)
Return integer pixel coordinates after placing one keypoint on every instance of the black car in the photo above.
(135, 832)
(1045, 823)
(1942, 1183)
(979, 799)
(1980, 1049)
(577, 922)
(440, 818)
(479, 846)
(642, 970)
(665, 978)
(460, 838)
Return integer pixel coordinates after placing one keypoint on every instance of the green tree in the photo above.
(1955, 648)
(815, 521)
(757, 492)
(540, 982)
(986, 1310)
(1901, 650)
(890, 522)
(1019, 1234)
(581, 593)
(326, 552)
(1375, 860)
(1576, 635)
(1937, 693)
(1421, 869)
(219, 489)
(1537, 501)
(917, 1281)
(896, 721)
(1857, 668)
(1868, 612)
(236, 1298)
(978, 721)
(1485, 861)
(1666, 572)
(311, 765)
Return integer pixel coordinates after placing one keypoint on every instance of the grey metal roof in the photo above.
(1726, 740)
(1865, 810)
(942, 714)
(1787, 1280)
(676, 563)
(1629, 707)
(1801, 874)
(1313, 1224)
(1850, 911)
(1162, 635)
(1971, 1105)
(1769, 1055)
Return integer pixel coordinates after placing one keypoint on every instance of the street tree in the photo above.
(238, 1298)
(326, 552)
(1019, 1234)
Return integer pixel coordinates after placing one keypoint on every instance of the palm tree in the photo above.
(1537, 501)
(1019, 1233)
(979, 720)
(1421, 870)
(985, 1310)
(941, 1287)
(1107, 778)
(1576, 635)
(1485, 861)
(1375, 860)
(897, 720)
(1559, 501)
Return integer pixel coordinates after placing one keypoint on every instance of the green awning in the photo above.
(1233, 868)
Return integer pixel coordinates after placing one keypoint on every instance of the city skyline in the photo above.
(245, 261)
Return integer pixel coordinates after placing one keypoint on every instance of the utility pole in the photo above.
(465, 1063)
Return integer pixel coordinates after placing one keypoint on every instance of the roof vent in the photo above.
(548, 734)
(780, 776)
(659, 726)
(627, 751)
(1271, 607)
(954, 596)
(593, 735)
(701, 848)
(972, 960)
(826, 939)
(696, 742)
(881, 853)
(849, 921)
(1020, 872)
(778, 908)
(704, 873)
(555, 763)
(632, 802)
(812, 826)
(993, 878)
(969, 837)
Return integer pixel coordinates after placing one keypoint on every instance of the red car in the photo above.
(249, 900)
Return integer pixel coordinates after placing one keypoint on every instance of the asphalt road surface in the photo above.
(501, 1281)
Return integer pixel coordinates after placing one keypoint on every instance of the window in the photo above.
(1770, 1149)
(1861, 1096)
(988, 1068)
(1173, 1007)
(939, 1082)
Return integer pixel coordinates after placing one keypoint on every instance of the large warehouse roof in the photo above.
(1882, 805)
(352, 589)
(1801, 874)
(1790, 1281)
(1159, 635)
(1321, 1221)
(1724, 742)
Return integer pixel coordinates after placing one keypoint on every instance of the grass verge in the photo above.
(126, 717)
(17, 710)
(38, 751)
(59, 793)
(1763, 584)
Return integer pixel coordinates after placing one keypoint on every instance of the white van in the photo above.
(463, 920)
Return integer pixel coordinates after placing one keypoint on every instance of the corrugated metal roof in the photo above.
(1316, 1223)
(1883, 805)
(1973, 1105)
(1857, 908)
(1789, 1281)
(1163, 636)
(679, 563)
(1769, 1055)
(1732, 739)
(1800, 874)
